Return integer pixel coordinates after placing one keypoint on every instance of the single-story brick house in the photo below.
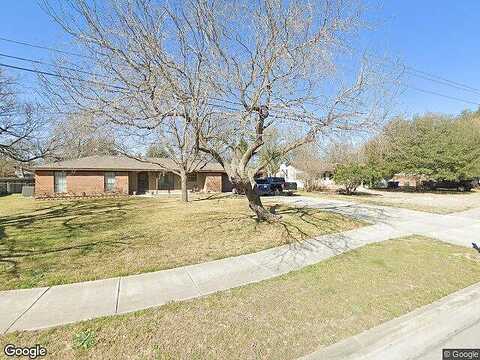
(95, 175)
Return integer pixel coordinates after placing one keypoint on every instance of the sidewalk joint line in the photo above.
(193, 282)
(23, 313)
(118, 295)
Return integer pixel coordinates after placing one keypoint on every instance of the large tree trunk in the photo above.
(183, 181)
(255, 204)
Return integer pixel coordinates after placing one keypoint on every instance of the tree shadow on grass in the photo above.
(67, 218)
(305, 249)
(293, 221)
(308, 217)
(358, 193)
(218, 196)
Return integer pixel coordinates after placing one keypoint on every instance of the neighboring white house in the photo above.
(292, 173)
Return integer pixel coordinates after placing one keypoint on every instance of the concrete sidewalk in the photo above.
(37, 308)
(421, 334)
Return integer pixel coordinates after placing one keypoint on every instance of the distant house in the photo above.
(404, 180)
(291, 174)
(95, 175)
(322, 174)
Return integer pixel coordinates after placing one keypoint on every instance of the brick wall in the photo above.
(152, 180)
(43, 182)
(80, 182)
(213, 182)
(407, 180)
(92, 182)
(88, 182)
(122, 179)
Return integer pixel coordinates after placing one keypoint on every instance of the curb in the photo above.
(411, 335)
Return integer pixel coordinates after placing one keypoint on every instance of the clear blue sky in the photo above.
(439, 37)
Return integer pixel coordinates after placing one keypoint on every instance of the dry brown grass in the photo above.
(281, 318)
(439, 202)
(53, 242)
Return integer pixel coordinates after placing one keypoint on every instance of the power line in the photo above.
(413, 71)
(455, 83)
(49, 64)
(444, 82)
(442, 95)
(122, 88)
(60, 76)
(431, 77)
(43, 47)
(427, 76)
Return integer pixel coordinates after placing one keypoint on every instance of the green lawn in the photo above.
(54, 242)
(281, 318)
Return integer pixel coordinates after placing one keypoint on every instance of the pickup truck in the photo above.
(461, 185)
(274, 186)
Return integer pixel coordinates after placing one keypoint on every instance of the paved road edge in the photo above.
(410, 335)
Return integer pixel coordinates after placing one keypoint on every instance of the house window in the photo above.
(192, 177)
(166, 181)
(60, 181)
(110, 181)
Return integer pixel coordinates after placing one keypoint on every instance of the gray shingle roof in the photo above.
(120, 163)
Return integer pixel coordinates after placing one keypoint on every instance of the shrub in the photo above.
(352, 175)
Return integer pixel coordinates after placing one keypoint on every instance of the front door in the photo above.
(142, 182)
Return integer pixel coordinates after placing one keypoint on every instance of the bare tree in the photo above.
(342, 152)
(141, 77)
(278, 64)
(176, 140)
(23, 135)
(7, 167)
(310, 160)
(79, 136)
(229, 70)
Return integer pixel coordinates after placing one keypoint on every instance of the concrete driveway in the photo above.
(460, 228)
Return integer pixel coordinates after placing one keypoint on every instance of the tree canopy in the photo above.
(439, 147)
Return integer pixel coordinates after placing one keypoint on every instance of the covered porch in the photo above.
(157, 182)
